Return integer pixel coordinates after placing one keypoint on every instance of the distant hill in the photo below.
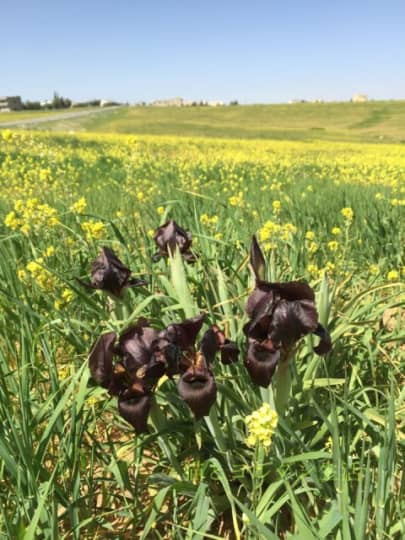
(373, 121)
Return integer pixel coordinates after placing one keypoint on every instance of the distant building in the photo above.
(10, 103)
(172, 102)
(359, 98)
(215, 103)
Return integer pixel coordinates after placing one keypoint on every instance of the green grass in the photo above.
(72, 468)
(379, 121)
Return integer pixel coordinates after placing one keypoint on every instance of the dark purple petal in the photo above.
(257, 260)
(325, 343)
(229, 352)
(167, 353)
(293, 290)
(261, 361)
(292, 320)
(109, 273)
(198, 389)
(260, 301)
(119, 380)
(100, 359)
(165, 237)
(153, 371)
(136, 411)
(168, 236)
(209, 345)
(184, 334)
(136, 344)
(214, 340)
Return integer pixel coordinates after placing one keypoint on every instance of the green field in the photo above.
(329, 213)
(379, 121)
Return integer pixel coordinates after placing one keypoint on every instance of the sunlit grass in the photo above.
(328, 213)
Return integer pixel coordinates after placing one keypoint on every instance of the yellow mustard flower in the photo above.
(348, 214)
(333, 245)
(12, 221)
(261, 425)
(393, 275)
(94, 230)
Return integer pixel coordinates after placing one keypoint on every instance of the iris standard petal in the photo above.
(100, 359)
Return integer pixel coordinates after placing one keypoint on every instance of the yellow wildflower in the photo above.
(160, 210)
(261, 425)
(333, 245)
(393, 275)
(7, 135)
(348, 214)
(67, 295)
(313, 247)
(25, 229)
(336, 231)
(12, 221)
(237, 200)
(93, 229)
(310, 235)
(313, 269)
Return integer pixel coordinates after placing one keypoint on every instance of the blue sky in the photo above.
(253, 51)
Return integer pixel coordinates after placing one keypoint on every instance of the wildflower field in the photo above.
(310, 447)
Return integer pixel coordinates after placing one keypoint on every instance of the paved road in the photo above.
(53, 117)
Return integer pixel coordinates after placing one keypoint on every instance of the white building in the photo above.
(359, 98)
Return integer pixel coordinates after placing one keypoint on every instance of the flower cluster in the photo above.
(261, 425)
(93, 230)
(212, 221)
(31, 215)
(131, 366)
(279, 315)
(41, 275)
(272, 232)
(79, 206)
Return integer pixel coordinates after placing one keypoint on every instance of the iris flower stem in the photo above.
(282, 386)
(122, 309)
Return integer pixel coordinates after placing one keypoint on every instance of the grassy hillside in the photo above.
(379, 121)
